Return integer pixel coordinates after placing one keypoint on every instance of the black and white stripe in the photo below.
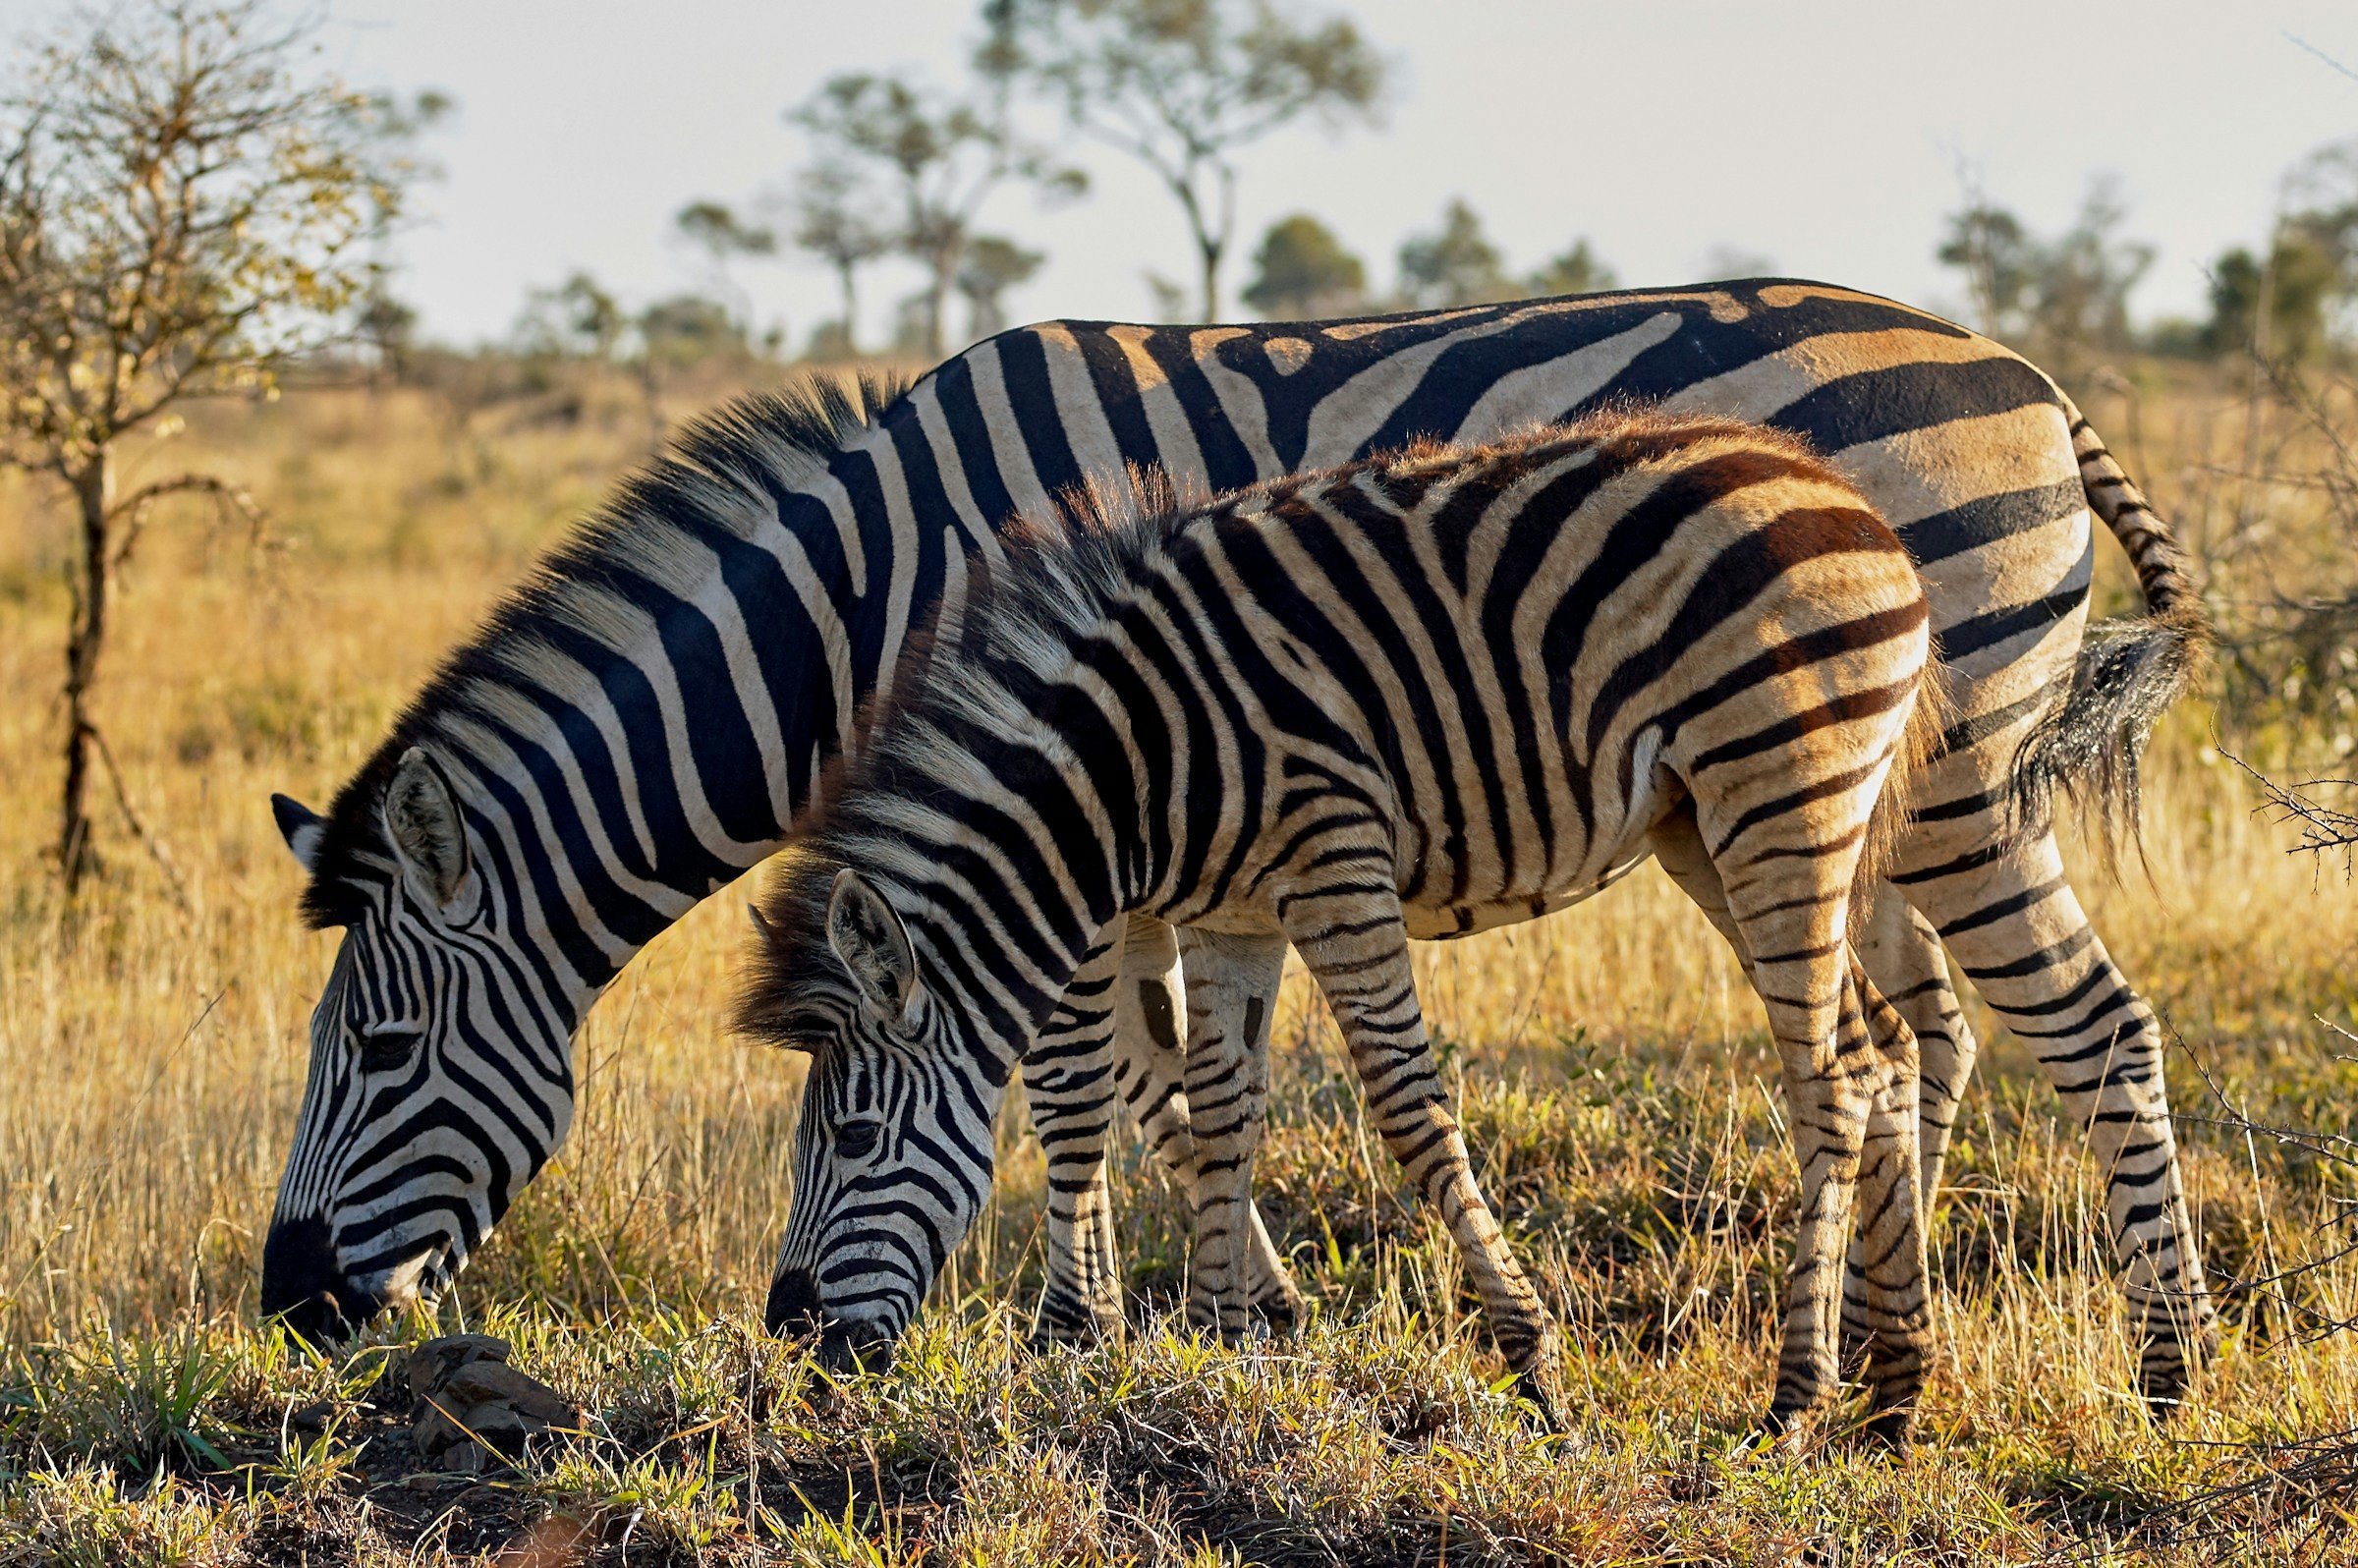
(640, 724)
(1427, 693)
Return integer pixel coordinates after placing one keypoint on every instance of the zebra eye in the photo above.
(389, 1047)
(857, 1140)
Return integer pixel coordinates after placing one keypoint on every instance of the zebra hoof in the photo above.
(1893, 1430)
(2167, 1367)
(1530, 1387)
(1778, 1432)
(1279, 1312)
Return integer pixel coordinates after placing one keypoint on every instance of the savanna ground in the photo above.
(1612, 1073)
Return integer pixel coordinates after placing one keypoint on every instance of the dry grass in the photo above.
(1612, 1073)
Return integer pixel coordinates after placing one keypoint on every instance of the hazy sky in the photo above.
(1823, 136)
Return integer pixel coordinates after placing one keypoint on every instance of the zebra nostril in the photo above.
(793, 1309)
(303, 1283)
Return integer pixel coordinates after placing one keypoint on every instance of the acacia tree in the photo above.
(1302, 271)
(1454, 265)
(715, 229)
(942, 156)
(838, 218)
(183, 208)
(1181, 85)
(993, 264)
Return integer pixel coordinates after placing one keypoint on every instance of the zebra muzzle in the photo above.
(303, 1285)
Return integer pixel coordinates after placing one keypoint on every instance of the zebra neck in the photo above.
(628, 769)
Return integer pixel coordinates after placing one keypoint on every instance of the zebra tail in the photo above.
(1929, 718)
(2129, 671)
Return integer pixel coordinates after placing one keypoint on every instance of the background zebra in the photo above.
(638, 724)
(1428, 694)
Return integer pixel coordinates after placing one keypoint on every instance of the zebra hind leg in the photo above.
(1891, 1314)
(1902, 955)
(1151, 1073)
(1068, 1084)
(2018, 931)
(1232, 987)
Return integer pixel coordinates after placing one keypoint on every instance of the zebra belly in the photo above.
(1448, 922)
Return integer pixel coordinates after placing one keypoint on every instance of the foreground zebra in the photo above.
(639, 723)
(1422, 695)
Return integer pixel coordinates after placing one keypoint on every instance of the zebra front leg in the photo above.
(1888, 1313)
(1068, 1082)
(1231, 986)
(1152, 1071)
(1903, 958)
(1358, 952)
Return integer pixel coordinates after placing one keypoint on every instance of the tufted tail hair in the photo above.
(2129, 671)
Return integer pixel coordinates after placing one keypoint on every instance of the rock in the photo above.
(313, 1417)
(469, 1400)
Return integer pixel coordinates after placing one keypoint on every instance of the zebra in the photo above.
(640, 721)
(1425, 694)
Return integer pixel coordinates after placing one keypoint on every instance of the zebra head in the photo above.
(440, 1076)
(893, 1149)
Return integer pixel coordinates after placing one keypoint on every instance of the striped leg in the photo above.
(1889, 1312)
(1068, 1082)
(1228, 999)
(2019, 934)
(1150, 1069)
(1358, 952)
(1885, 1307)
(1902, 952)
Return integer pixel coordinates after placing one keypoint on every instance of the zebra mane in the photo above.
(741, 453)
(1024, 616)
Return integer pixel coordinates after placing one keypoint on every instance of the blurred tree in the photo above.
(1302, 271)
(577, 319)
(1579, 271)
(838, 218)
(714, 228)
(389, 328)
(2062, 298)
(2084, 287)
(1727, 263)
(183, 208)
(687, 329)
(2301, 278)
(993, 264)
(944, 157)
(1181, 85)
(1457, 266)
(2001, 263)
(1168, 295)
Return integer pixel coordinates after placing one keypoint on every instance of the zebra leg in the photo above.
(1902, 953)
(1791, 916)
(1888, 1313)
(1885, 1319)
(1068, 1084)
(2018, 931)
(1232, 983)
(1360, 959)
(1150, 1069)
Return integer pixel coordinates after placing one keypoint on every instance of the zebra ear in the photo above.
(867, 933)
(421, 819)
(302, 827)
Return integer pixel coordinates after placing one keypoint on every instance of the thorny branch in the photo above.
(2324, 830)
